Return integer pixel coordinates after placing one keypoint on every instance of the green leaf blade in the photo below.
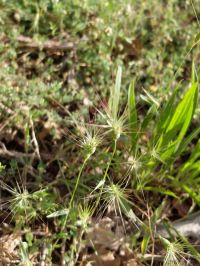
(132, 113)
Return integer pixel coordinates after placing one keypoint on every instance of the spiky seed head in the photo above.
(134, 163)
(22, 203)
(115, 194)
(22, 200)
(174, 253)
(156, 155)
(117, 125)
(85, 213)
(90, 141)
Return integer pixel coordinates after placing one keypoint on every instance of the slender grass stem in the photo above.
(74, 192)
(72, 199)
(106, 172)
(77, 182)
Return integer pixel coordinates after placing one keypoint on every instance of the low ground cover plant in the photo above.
(99, 132)
(125, 166)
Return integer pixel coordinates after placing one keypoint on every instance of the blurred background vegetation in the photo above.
(68, 51)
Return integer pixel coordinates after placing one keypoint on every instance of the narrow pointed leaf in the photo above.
(115, 93)
(132, 114)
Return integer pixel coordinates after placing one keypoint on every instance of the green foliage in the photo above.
(179, 121)
(115, 95)
(2, 167)
(139, 148)
(132, 114)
